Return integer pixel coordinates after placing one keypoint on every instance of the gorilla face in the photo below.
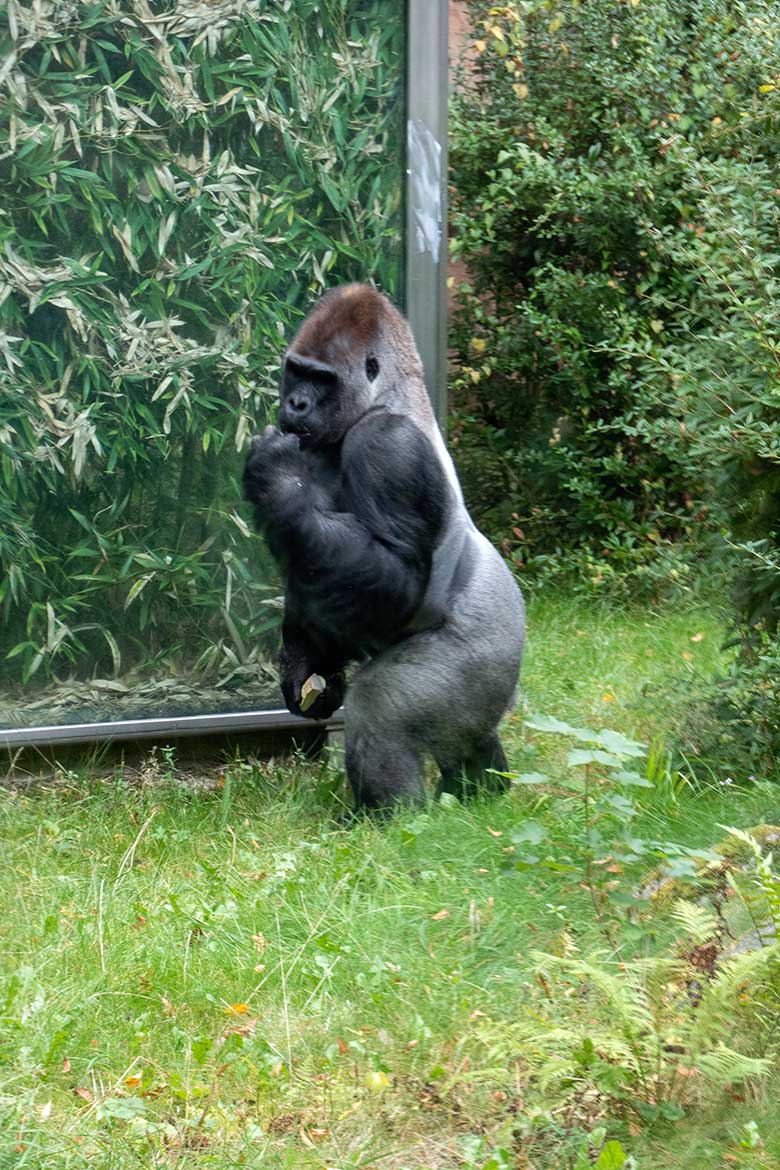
(346, 358)
(319, 401)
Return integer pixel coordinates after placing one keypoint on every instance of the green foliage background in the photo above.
(177, 181)
(617, 203)
(586, 140)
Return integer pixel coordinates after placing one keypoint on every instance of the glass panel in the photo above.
(177, 183)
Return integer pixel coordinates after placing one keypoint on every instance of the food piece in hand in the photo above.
(311, 690)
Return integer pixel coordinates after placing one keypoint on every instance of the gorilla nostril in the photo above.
(298, 403)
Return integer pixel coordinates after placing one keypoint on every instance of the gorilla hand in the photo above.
(274, 470)
(294, 672)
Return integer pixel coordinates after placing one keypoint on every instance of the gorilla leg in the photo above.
(383, 753)
(471, 775)
(382, 770)
(440, 692)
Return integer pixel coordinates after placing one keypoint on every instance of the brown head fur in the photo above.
(349, 315)
(355, 320)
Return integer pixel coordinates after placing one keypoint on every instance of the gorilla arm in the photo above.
(278, 482)
(357, 565)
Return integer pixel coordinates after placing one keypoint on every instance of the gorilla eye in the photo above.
(372, 368)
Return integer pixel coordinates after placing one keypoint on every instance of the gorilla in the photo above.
(360, 504)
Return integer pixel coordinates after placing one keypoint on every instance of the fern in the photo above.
(698, 922)
(724, 1066)
(732, 1001)
(758, 888)
(632, 1032)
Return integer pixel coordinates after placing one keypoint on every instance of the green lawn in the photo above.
(218, 976)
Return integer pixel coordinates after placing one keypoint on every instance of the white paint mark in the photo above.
(425, 171)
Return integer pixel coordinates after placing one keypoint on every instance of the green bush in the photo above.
(579, 136)
(176, 183)
(723, 363)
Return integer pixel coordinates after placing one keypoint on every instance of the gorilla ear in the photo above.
(372, 367)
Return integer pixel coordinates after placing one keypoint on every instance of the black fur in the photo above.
(353, 528)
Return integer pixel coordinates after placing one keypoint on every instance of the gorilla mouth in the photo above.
(291, 429)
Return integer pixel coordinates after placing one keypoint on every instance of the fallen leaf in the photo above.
(377, 1081)
(45, 1111)
(247, 1029)
(83, 1093)
(65, 1064)
(132, 1082)
(608, 697)
(698, 637)
(343, 1047)
(439, 915)
(237, 1009)
(495, 832)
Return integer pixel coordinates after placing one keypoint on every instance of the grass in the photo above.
(217, 976)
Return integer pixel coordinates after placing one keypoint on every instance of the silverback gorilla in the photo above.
(361, 507)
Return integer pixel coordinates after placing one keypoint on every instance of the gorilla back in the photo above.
(383, 566)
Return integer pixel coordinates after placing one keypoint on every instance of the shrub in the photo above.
(721, 363)
(580, 136)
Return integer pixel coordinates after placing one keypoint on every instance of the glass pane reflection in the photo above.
(174, 192)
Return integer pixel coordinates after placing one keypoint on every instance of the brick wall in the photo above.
(458, 34)
(458, 28)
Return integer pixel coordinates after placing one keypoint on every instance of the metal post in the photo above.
(426, 192)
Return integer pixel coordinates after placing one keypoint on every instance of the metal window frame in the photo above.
(426, 309)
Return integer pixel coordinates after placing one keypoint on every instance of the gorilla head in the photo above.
(353, 353)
